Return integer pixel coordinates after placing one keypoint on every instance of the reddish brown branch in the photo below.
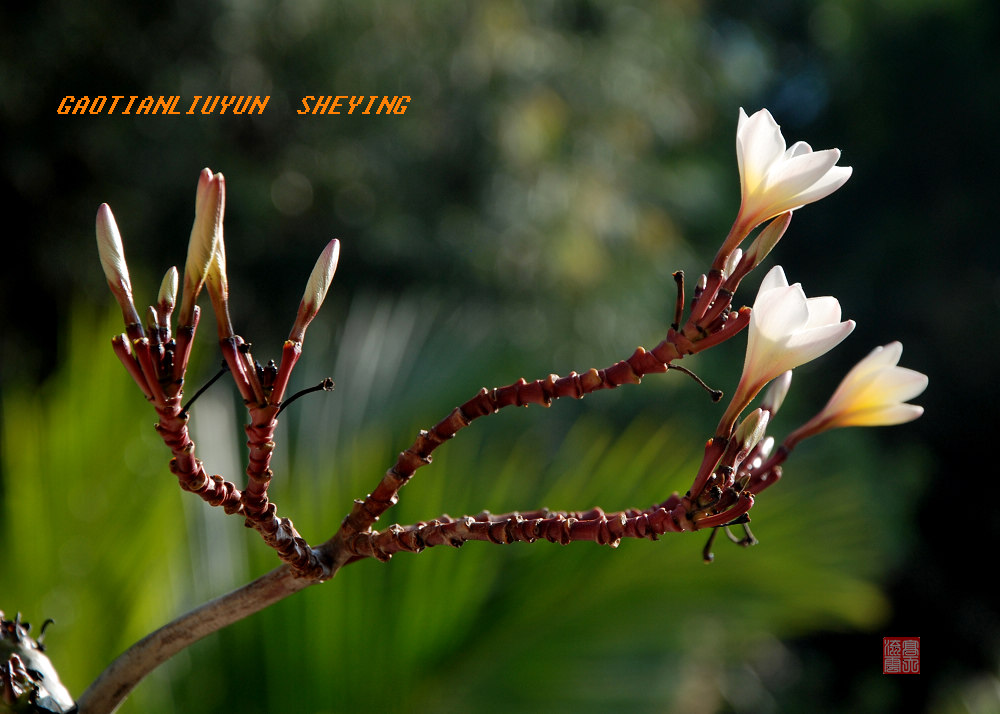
(675, 515)
(340, 549)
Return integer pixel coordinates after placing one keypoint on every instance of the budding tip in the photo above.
(110, 249)
(322, 275)
(168, 289)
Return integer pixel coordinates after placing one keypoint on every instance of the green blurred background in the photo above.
(558, 160)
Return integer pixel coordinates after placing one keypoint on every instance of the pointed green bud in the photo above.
(109, 247)
(316, 289)
(167, 297)
(751, 430)
(768, 238)
(210, 207)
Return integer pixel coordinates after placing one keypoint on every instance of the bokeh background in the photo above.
(558, 160)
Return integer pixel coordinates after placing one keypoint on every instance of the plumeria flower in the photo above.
(773, 179)
(873, 393)
(787, 329)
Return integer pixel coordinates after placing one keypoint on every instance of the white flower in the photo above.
(787, 329)
(872, 394)
(773, 179)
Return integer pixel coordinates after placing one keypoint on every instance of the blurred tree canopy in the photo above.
(556, 162)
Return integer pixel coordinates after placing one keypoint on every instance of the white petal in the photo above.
(799, 173)
(879, 358)
(762, 145)
(775, 278)
(892, 386)
(835, 178)
(779, 312)
(807, 345)
(797, 149)
(823, 311)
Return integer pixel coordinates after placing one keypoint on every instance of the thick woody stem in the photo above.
(115, 683)
(188, 469)
(261, 515)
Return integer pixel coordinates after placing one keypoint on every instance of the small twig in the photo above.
(679, 303)
(326, 385)
(706, 553)
(715, 394)
(204, 388)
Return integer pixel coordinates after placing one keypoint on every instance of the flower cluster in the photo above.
(786, 328)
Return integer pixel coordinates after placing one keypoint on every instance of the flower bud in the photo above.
(217, 283)
(167, 297)
(109, 247)
(768, 238)
(776, 391)
(733, 261)
(316, 289)
(751, 430)
(210, 208)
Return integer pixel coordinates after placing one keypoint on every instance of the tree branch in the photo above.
(115, 683)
